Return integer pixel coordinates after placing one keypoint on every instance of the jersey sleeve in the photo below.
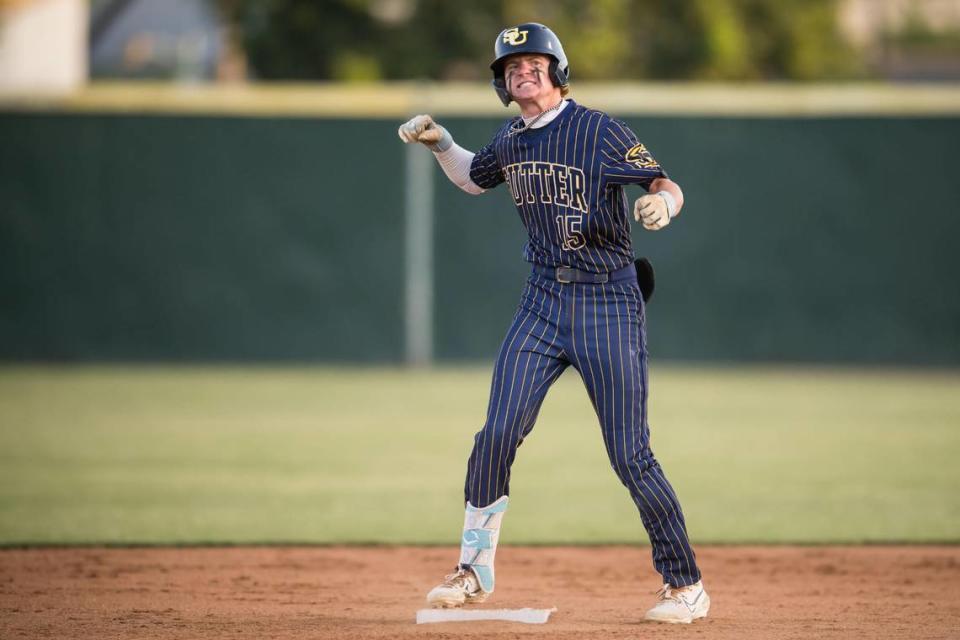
(485, 168)
(625, 159)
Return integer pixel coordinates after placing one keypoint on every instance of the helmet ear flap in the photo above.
(500, 86)
(559, 77)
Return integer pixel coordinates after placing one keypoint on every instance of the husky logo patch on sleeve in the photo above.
(639, 157)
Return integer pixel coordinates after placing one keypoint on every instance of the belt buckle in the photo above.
(563, 274)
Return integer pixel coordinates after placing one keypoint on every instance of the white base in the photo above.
(529, 616)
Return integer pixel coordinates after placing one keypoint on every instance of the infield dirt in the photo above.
(374, 592)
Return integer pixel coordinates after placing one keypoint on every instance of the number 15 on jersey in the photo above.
(569, 226)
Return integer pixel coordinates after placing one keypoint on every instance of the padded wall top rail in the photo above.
(391, 100)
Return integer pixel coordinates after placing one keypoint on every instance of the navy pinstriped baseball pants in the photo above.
(599, 329)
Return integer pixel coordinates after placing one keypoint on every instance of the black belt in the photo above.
(569, 274)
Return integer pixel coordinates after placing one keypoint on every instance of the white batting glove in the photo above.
(655, 210)
(424, 130)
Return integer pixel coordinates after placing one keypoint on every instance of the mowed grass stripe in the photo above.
(163, 455)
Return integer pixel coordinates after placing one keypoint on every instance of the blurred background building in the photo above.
(43, 45)
(905, 39)
(172, 39)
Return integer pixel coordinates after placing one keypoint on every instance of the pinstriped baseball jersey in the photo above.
(567, 180)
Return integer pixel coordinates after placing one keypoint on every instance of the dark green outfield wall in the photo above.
(200, 238)
(194, 238)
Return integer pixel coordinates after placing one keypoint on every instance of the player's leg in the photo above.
(610, 353)
(529, 361)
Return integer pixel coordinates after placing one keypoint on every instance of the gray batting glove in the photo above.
(424, 130)
(655, 210)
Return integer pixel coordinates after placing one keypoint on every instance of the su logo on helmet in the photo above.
(514, 36)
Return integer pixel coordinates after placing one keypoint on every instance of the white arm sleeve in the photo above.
(456, 162)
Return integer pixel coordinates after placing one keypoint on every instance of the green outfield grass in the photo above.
(241, 455)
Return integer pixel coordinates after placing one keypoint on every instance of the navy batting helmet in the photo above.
(529, 37)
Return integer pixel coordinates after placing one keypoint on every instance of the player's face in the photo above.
(527, 76)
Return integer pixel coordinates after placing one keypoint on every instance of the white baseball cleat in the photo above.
(680, 605)
(458, 589)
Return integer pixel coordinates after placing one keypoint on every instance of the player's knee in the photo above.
(629, 467)
(504, 426)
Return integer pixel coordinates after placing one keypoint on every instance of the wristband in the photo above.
(671, 202)
(444, 143)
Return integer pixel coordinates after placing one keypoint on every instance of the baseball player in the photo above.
(566, 167)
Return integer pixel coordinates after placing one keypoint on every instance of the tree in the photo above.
(604, 39)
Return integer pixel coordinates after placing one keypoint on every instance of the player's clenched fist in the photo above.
(654, 210)
(424, 130)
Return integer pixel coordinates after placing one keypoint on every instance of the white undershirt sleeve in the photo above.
(456, 162)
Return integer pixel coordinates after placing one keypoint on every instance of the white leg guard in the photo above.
(481, 532)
